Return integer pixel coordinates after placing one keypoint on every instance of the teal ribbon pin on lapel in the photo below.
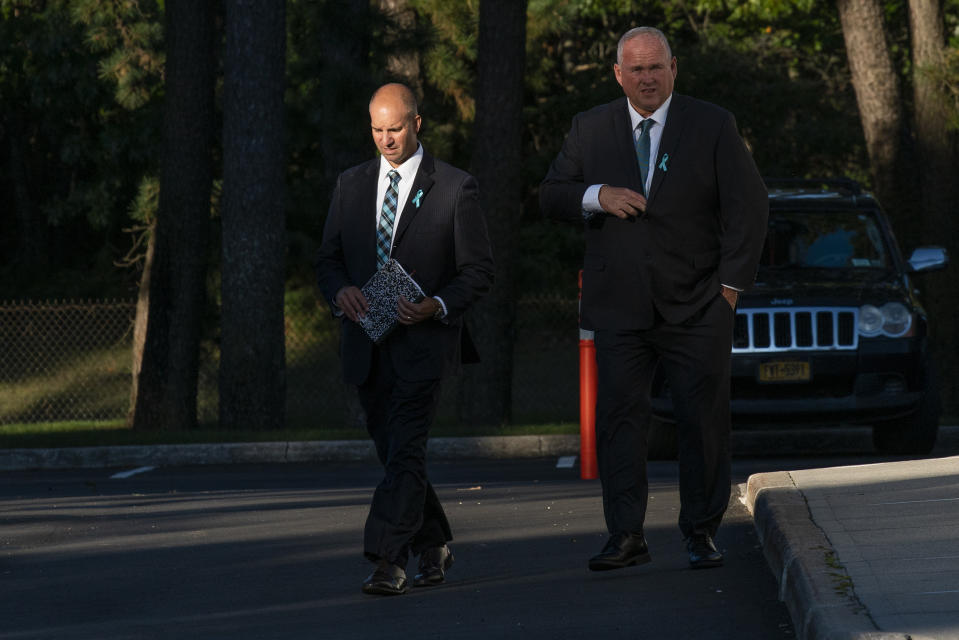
(417, 198)
(663, 161)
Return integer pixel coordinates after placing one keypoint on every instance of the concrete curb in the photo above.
(534, 446)
(812, 583)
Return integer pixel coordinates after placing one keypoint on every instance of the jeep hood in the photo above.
(832, 287)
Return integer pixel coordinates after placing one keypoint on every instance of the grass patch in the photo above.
(115, 433)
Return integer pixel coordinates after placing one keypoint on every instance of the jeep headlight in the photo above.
(892, 319)
(896, 319)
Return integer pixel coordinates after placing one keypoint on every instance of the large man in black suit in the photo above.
(425, 214)
(675, 216)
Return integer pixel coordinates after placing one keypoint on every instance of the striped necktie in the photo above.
(642, 150)
(384, 231)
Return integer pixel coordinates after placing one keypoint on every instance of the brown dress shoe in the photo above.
(622, 550)
(386, 580)
(434, 563)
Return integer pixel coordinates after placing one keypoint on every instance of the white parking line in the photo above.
(132, 472)
(566, 462)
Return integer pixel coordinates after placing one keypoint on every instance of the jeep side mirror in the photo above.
(928, 259)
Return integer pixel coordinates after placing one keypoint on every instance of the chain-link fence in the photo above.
(70, 360)
(65, 360)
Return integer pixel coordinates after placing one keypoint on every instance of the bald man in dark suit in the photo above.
(675, 217)
(425, 214)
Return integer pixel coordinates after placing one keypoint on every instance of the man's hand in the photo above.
(412, 312)
(352, 301)
(621, 202)
(731, 296)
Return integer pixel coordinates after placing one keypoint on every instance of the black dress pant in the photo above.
(695, 357)
(405, 513)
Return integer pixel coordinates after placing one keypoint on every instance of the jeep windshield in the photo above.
(824, 240)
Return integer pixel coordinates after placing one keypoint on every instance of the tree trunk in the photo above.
(167, 385)
(938, 158)
(876, 82)
(140, 322)
(486, 389)
(252, 358)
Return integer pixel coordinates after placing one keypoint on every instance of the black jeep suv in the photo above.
(833, 331)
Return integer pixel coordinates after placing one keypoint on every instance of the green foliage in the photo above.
(751, 10)
(446, 35)
(130, 35)
(450, 52)
(951, 11)
(147, 201)
(81, 89)
(79, 155)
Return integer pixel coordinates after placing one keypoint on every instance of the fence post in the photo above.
(587, 400)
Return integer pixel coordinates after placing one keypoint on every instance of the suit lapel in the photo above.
(625, 143)
(675, 122)
(422, 184)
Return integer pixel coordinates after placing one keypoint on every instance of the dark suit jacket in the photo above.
(443, 243)
(704, 224)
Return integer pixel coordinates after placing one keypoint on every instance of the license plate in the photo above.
(785, 372)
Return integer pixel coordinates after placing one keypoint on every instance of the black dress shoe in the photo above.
(702, 552)
(386, 580)
(434, 563)
(622, 550)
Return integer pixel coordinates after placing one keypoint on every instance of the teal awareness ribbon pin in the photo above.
(663, 161)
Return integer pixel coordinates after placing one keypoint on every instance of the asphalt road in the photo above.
(273, 551)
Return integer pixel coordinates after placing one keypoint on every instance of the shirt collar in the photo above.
(658, 116)
(407, 170)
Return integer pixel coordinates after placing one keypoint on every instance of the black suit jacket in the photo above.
(704, 224)
(443, 243)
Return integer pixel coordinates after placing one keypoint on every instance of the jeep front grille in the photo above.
(795, 329)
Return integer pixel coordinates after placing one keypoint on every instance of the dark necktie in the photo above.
(384, 231)
(642, 150)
